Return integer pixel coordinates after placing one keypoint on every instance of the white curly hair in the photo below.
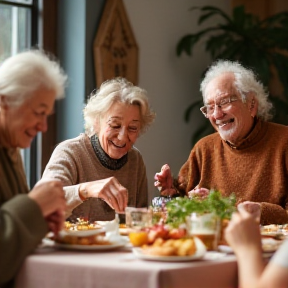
(245, 82)
(116, 90)
(24, 73)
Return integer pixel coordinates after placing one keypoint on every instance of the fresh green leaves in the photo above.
(179, 208)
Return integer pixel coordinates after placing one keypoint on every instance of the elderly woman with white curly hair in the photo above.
(247, 156)
(101, 170)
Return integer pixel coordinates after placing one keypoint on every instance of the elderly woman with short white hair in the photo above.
(101, 170)
(29, 84)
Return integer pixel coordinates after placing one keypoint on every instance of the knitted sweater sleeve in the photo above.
(272, 213)
(189, 174)
(142, 194)
(63, 166)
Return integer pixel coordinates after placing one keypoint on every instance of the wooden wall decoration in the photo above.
(115, 47)
(261, 8)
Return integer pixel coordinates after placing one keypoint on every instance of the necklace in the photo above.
(106, 160)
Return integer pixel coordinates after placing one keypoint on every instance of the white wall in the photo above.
(172, 82)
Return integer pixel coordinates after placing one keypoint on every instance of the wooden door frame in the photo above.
(50, 14)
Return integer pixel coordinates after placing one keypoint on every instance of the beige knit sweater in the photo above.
(74, 161)
(256, 170)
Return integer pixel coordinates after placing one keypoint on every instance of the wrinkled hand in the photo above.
(243, 232)
(253, 208)
(164, 181)
(109, 189)
(199, 192)
(55, 221)
(49, 195)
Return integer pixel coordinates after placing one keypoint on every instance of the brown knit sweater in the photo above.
(256, 170)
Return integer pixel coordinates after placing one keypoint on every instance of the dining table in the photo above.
(53, 267)
(117, 263)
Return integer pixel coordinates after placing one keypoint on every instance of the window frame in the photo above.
(31, 155)
(44, 22)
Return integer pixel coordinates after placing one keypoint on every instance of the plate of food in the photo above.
(278, 232)
(225, 249)
(269, 245)
(172, 250)
(80, 233)
(81, 225)
(271, 230)
(96, 247)
(89, 240)
(124, 230)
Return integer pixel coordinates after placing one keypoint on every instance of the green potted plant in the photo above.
(213, 207)
(181, 207)
(259, 44)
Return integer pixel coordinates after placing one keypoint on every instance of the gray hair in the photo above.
(24, 73)
(245, 82)
(116, 90)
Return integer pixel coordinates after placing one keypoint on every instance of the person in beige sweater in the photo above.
(247, 156)
(29, 84)
(101, 170)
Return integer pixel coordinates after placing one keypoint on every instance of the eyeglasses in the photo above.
(224, 104)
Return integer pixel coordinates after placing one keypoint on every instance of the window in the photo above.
(15, 30)
(19, 23)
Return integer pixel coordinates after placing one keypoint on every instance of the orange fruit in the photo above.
(138, 238)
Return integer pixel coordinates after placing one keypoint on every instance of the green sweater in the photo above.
(22, 225)
(256, 170)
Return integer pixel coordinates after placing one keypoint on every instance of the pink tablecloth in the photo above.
(50, 268)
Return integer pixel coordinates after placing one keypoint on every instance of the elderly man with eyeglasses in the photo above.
(247, 156)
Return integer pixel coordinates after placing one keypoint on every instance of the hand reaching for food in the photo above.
(55, 221)
(49, 195)
(110, 190)
(199, 192)
(164, 181)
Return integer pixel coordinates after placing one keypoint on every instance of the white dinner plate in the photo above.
(200, 252)
(268, 245)
(225, 249)
(271, 233)
(114, 245)
(81, 233)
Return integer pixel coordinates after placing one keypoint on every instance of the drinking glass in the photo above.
(206, 227)
(137, 218)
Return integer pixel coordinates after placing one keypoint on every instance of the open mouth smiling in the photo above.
(118, 146)
(221, 124)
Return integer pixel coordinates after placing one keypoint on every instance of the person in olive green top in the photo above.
(29, 84)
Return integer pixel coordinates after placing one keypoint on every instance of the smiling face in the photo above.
(119, 129)
(20, 124)
(235, 121)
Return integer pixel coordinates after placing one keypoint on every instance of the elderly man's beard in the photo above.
(227, 135)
